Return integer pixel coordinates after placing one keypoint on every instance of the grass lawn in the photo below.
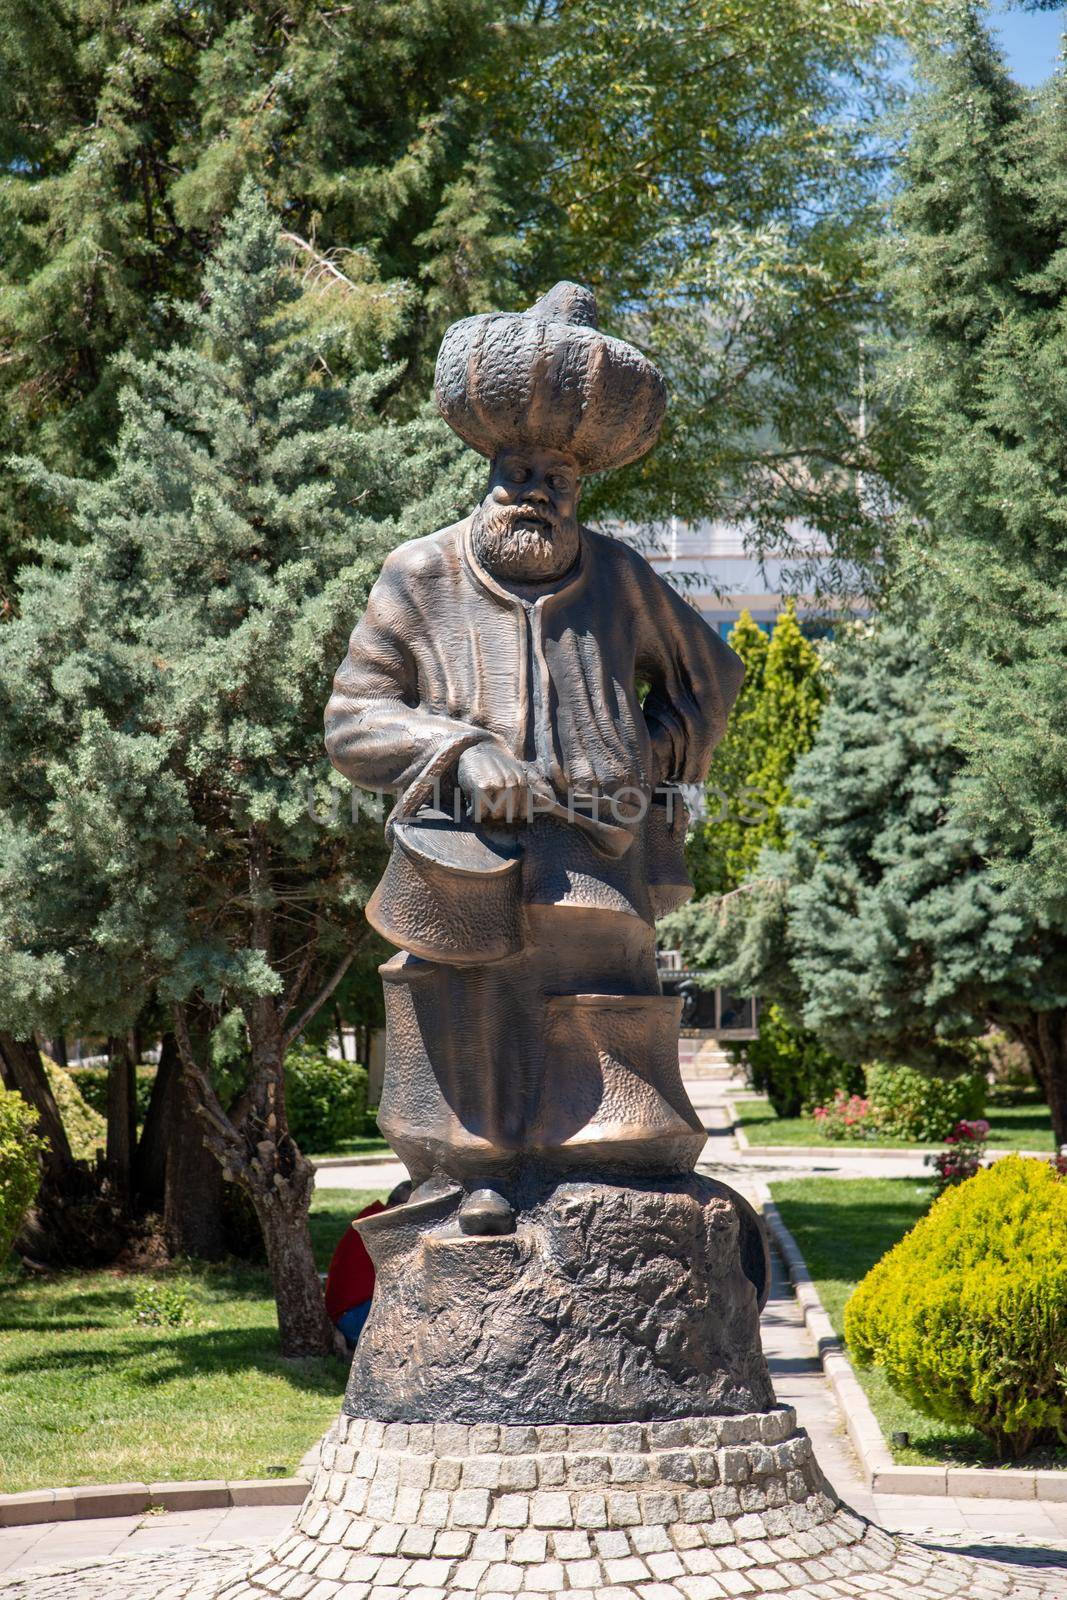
(87, 1396)
(843, 1226)
(364, 1146)
(1021, 1124)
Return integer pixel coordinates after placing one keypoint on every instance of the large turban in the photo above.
(548, 377)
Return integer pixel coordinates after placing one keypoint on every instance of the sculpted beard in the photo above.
(524, 543)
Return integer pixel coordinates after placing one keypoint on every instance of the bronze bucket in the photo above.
(451, 892)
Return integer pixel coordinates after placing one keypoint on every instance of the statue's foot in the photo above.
(485, 1212)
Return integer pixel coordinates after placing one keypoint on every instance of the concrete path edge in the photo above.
(882, 1475)
(132, 1499)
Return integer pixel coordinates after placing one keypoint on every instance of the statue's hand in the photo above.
(498, 785)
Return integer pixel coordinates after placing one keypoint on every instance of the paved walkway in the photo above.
(1026, 1532)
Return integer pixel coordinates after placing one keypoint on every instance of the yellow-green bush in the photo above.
(967, 1315)
(20, 1170)
(86, 1128)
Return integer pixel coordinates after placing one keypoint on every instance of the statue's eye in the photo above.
(556, 482)
(519, 474)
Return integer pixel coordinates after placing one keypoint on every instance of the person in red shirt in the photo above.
(350, 1280)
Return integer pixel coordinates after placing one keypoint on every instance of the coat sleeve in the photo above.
(377, 732)
(695, 678)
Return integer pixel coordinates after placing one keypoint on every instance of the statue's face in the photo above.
(526, 528)
(541, 481)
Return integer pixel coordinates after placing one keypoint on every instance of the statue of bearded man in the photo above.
(532, 692)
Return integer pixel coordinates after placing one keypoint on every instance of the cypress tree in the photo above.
(716, 840)
(161, 694)
(772, 724)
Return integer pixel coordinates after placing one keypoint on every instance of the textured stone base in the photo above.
(658, 1284)
(697, 1509)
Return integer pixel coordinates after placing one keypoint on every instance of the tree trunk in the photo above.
(71, 1222)
(303, 1326)
(121, 1118)
(1043, 1035)
(58, 1050)
(339, 1025)
(255, 1149)
(194, 1220)
(150, 1161)
(281, 1181)
(23, 1070)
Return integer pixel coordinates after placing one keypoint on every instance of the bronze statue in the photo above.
(533, 693)
(500, 664)
(560, 1387)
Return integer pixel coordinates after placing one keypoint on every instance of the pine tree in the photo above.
(161, 694)
(351, 116)
(711, 169)
(982, 370)
(899, 938)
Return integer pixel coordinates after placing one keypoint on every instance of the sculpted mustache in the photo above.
(524, 513)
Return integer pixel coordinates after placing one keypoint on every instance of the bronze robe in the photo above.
(495, 1058)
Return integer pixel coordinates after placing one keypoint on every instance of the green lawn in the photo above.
(86, 1396)
(364, 1146)
(1023, 1125)
(843, 1226)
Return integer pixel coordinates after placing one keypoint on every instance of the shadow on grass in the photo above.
(187, 1354)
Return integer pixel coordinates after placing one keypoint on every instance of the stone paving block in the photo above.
(512, 1511)
(646, 1539)
(623, 1510)
(571, 1544)
(552, 1509)
(591, 1511)
(584, 1574)
(700, 1587)
(418, 1541)
(529, 1545)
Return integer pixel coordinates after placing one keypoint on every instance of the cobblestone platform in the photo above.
(181, 1574)
(699, 1509)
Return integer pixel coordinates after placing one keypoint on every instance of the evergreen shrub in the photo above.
(967, 1315)
(922, 1106)
(326, 1099)
(20, 1169)
(85, 1126)
(791, 1067)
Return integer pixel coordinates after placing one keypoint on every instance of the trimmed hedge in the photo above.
(20, 1169)
(325, 1099)
(967, 1315)
(92, 1085)
(909, 1104)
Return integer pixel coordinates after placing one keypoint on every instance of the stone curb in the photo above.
(132, 1499)
(882, 1475)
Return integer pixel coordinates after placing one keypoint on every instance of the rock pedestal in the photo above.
(610, 1302)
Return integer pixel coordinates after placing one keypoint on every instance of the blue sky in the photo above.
(1030, 40)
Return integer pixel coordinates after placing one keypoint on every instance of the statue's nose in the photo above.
(538, 491)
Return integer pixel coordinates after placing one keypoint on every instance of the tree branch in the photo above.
(323, 995)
